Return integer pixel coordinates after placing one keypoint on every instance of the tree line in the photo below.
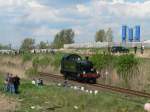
(102, 36)
(65, 36)
(5, 47)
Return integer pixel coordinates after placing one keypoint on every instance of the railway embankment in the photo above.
(108, 65)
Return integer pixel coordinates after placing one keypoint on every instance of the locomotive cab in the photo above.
(87, 66)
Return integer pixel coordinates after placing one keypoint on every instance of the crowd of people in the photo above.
(12, 83)
(142, 49)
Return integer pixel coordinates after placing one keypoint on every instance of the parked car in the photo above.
(120, 49)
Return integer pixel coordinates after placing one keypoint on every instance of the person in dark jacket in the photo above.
(135, 49)
(11, 84)
(16, 80)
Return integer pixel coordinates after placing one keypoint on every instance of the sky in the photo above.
(42, 19)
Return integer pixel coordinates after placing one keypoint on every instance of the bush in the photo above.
(32, 71)
(102, 61)
(56, 60)
(35, 62)
(26, 56)
(44, 61)
(127, 67)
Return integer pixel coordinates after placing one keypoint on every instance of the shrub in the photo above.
(35, 62)
(127, 67)
(31, 71)
(44, 61)
(26, 56)
(56, 60)
(102, 61)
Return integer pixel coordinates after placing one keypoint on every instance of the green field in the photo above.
(52, 98)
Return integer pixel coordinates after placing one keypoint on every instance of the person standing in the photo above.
(6, 82)
(135, 49)
(109, 49)
(16, 80)
(142, 49)
(11, 84)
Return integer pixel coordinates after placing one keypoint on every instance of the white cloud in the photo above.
(42, 14)
(77, 32)
(118, 1)
(83, 9)
(120, 8)
(44, 32)
(34, 4)
(85, 19)
(16, 3)
(27, 8)
(104, 14)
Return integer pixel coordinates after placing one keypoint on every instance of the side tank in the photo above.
(69, 63)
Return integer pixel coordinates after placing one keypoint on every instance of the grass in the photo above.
(59, 99)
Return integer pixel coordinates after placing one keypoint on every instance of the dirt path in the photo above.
(7, 104)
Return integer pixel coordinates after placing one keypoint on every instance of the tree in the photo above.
(100, 36)
(63, 37)
(109, 35)
(43, 45)
(27, 44)
(5, 46)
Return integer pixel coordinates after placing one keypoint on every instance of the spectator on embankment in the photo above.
(16, 81)
(40, 82)
(12, 83)
(6, 82)
(142, 49)
(135, 49)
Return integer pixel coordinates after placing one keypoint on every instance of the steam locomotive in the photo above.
(73, 67)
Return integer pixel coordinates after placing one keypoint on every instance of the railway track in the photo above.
(102, 86)
(123, 90)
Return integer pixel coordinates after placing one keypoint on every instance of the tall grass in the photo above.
(43, 61)
(56, 60)
(125, 65)
(127, 68)
(31, 71)
(26, 56)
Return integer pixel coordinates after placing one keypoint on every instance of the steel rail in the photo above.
(103, 86)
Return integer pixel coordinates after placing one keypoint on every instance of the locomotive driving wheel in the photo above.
(93, 80)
